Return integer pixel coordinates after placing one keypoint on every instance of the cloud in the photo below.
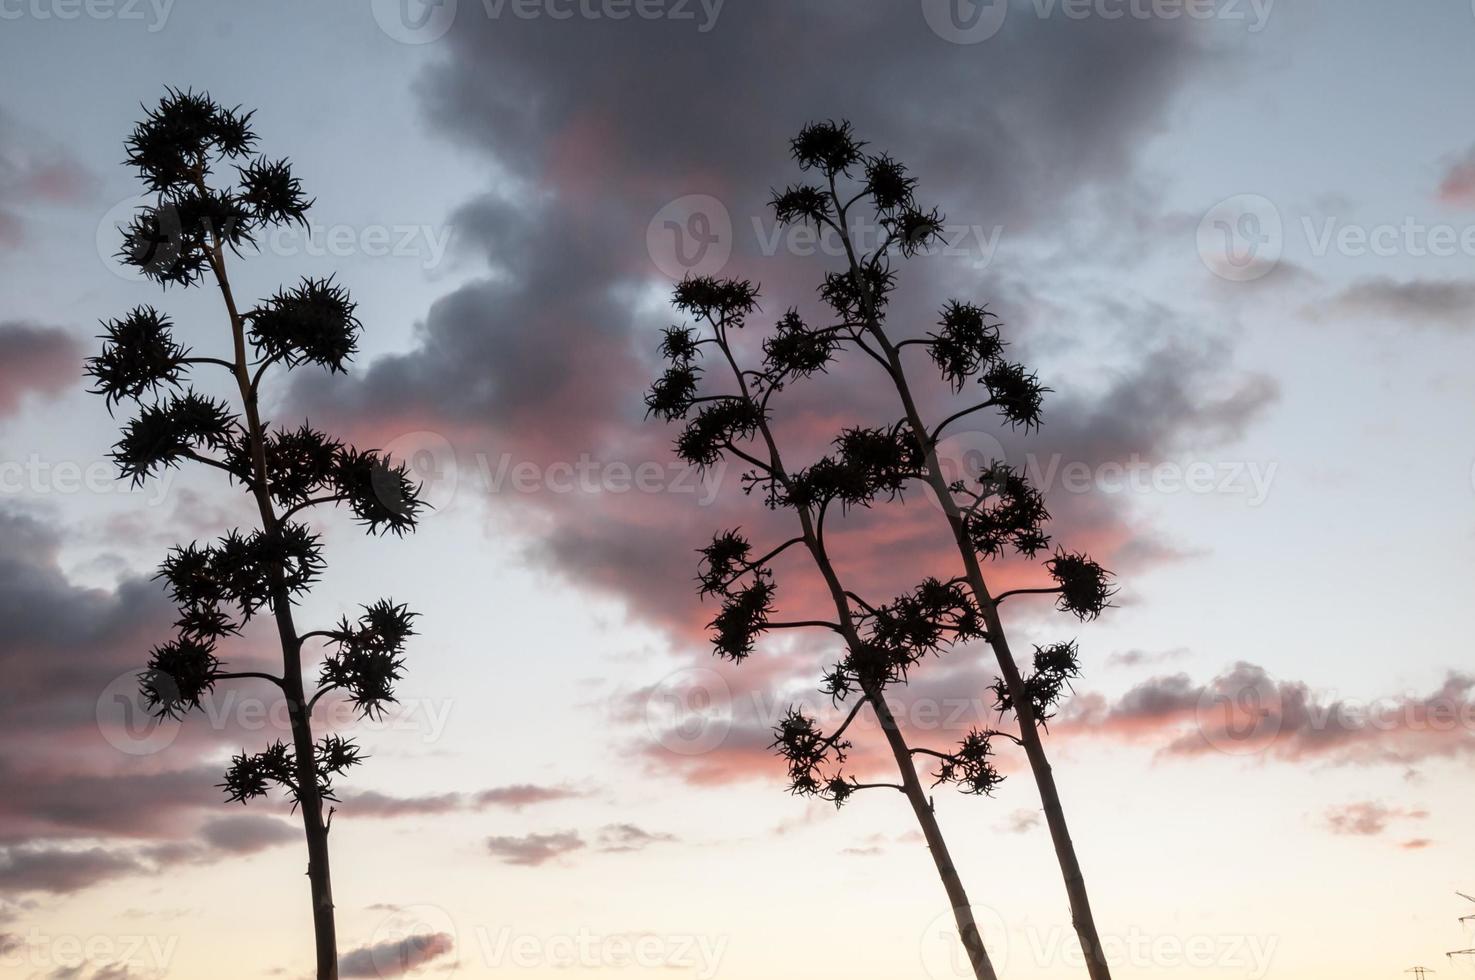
(62, 871)
(542, 362)
(1246, 712)
(1458, 186)
(621, 838)
(34, 170)
(1442, 302)
(1022, 821)
(394, 958)
(35, 360)
(534, 850)
(1368, 819)
(371, 803)
(1137, 657)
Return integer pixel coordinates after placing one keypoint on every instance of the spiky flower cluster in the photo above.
(971, 765)
(175, 239)
(746, 588)
(1055, 666)
(1085, 587)
(867, 464)
(808, 752)
(368, 659)
(250, 776)
(1009, 512)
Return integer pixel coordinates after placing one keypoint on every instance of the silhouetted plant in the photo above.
(882, 641)
(184, 235)
(990, 512)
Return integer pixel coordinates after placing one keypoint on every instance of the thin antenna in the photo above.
(1460, 952)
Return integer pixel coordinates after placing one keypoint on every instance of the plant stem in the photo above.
(1075, 883)
(922, 808)
(309, 803)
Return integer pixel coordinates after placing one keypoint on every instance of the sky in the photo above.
(1235, 238)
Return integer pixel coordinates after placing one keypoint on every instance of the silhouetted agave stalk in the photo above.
(882, 641)
(990, 512)
(185, 235)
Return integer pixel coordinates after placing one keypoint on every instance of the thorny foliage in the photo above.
(182, 236)
(1001, 511)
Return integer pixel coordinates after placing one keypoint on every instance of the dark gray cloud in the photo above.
(593, 127)
(1445, 303)
(58, 870)
(532, 850)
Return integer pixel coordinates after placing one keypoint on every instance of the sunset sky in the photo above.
(1236, 238)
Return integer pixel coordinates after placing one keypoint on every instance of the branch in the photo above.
(957, 415)
(244, 674)
(854, 712)
(803, 624)
(191, 454)
(1004, 595)
(312, 503)
(211, 360)
(859, 786)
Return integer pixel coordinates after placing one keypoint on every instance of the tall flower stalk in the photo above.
(185, 236)
(990, 512)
